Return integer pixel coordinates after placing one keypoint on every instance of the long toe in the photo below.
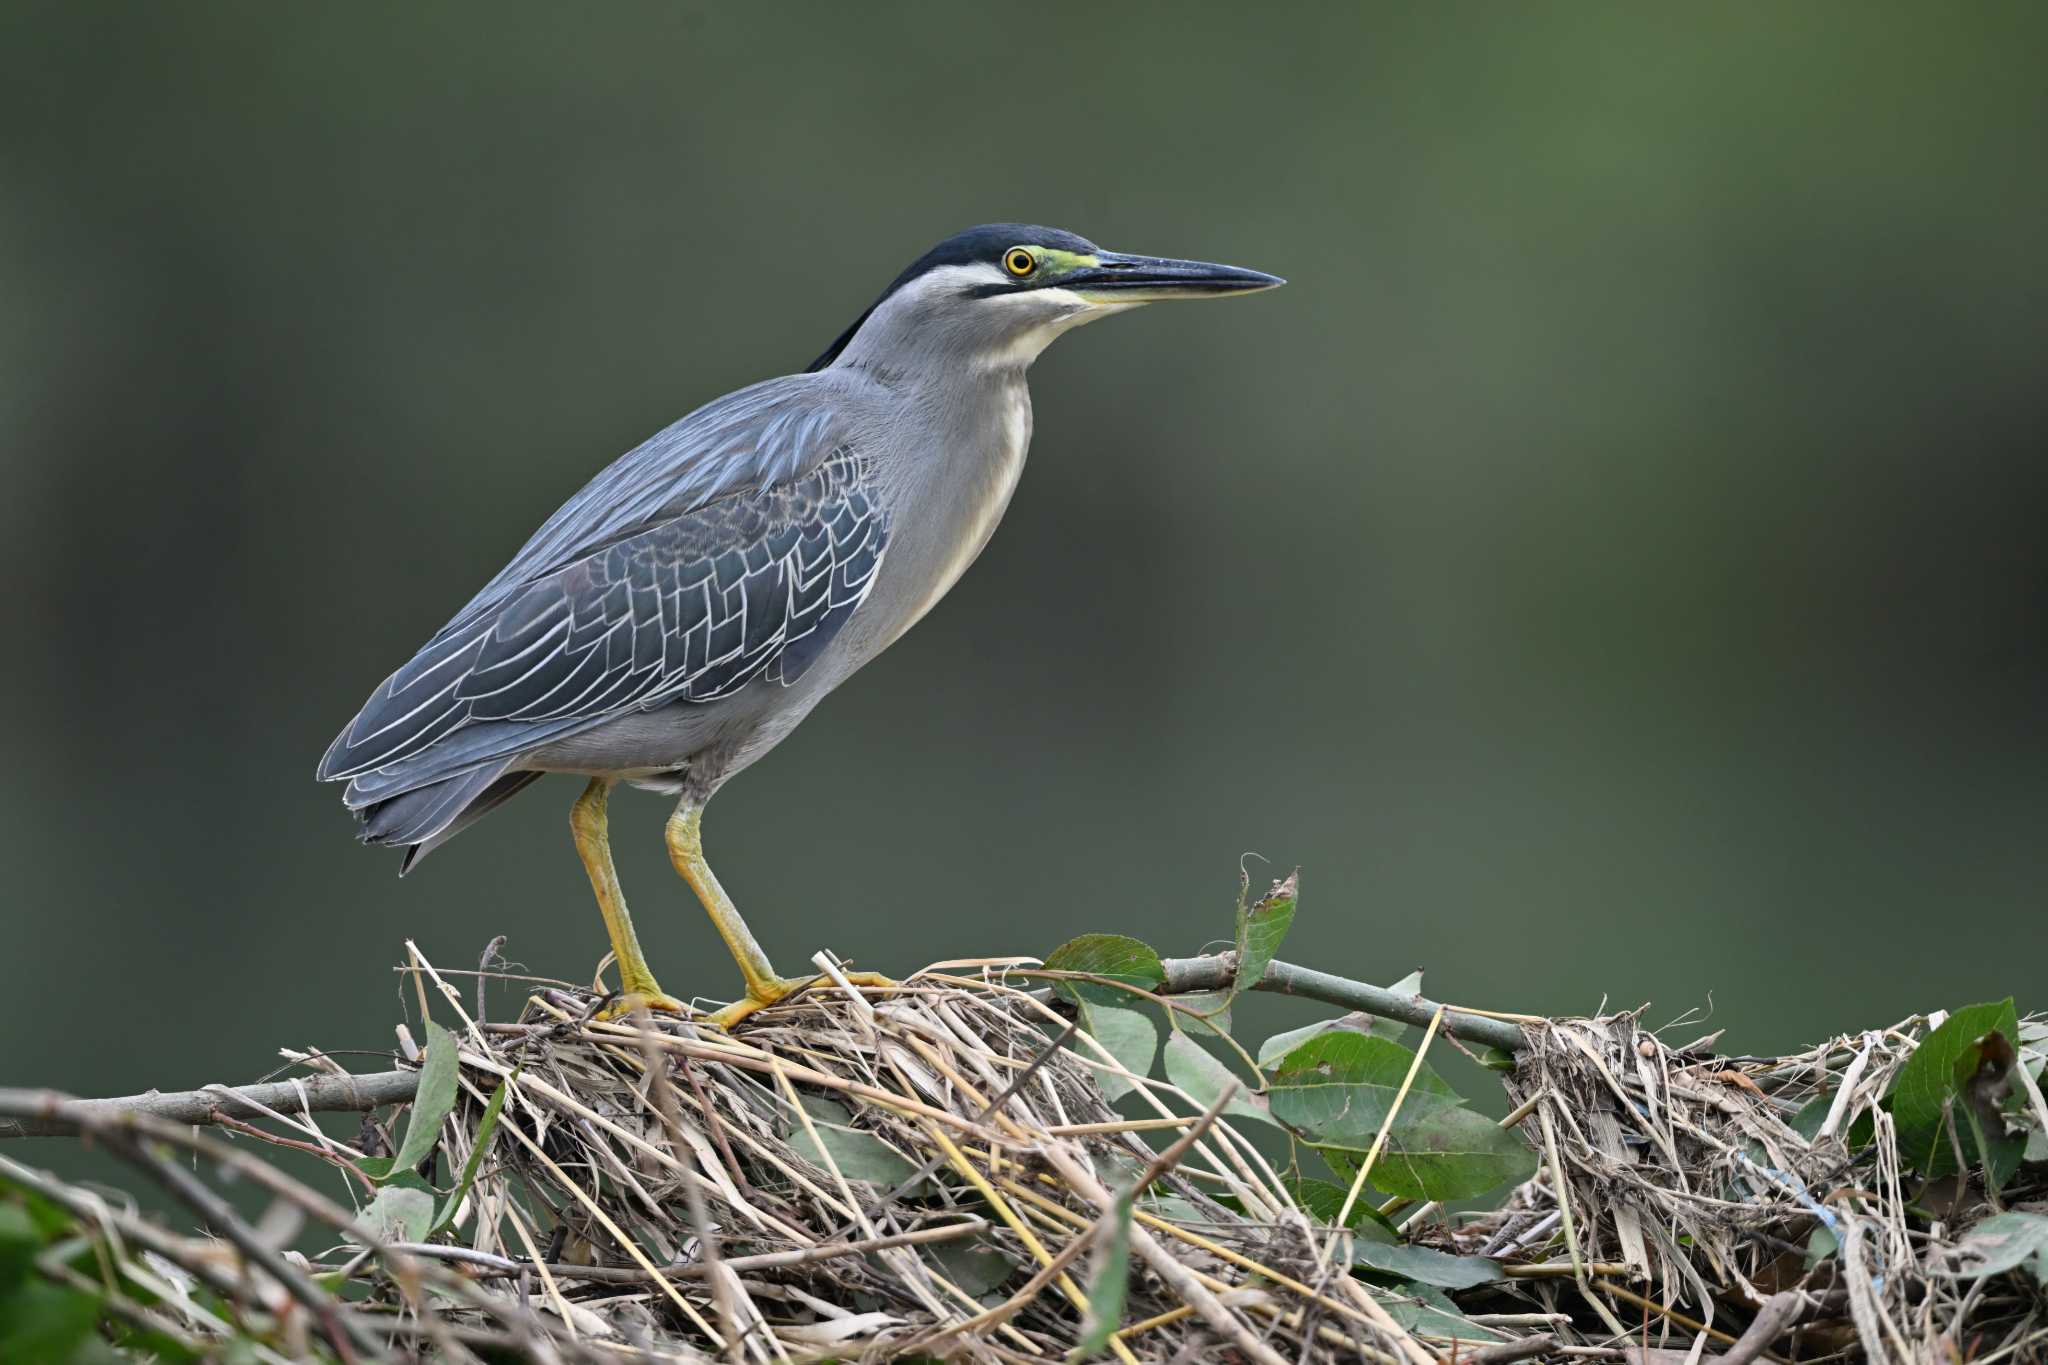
(627, 1002)
(761, 995)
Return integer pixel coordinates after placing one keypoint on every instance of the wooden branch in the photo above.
(1185, 975)
(323, 1094)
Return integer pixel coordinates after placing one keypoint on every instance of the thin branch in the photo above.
(1185, 975)
(322, 1094)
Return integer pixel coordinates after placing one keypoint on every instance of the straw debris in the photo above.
(941, 1172)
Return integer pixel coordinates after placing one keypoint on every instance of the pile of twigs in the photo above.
(930, 1172)
(935, 1172)
(1748, 1203)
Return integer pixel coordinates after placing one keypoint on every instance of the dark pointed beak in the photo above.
(1116, 278)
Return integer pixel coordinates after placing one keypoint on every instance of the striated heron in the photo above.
(683, 612)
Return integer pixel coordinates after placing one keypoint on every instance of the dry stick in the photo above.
(1291, 1318)
(1510, 1351)
(1008, 1093)
(1009, 1307)
(1779, 1312)
(730, 1296)
(323, 1094)
(1158, 1166)
(1061, 1280)
(496, 1266)
(341, 1329)
(1182, 1280)
(1217, 971)
(1607, 1286)
(632, 1248)
(1201, 1243)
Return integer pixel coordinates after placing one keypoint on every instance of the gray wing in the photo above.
(612, 613)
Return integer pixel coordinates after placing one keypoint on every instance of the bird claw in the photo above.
(626, 1002)
(774, 992)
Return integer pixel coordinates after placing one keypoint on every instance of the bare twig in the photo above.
(322, 1094)
(1217, 971)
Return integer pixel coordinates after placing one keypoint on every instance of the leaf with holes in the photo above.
(1339, 1086)
(1261, 928)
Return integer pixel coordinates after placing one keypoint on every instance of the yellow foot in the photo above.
(780, 988)
(628, 1001)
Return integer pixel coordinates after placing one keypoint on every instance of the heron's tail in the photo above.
(424, 818)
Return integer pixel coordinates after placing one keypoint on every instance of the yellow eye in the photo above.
(1019, 262)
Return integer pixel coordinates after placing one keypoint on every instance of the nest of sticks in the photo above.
(937, 1173)
(931, 1173)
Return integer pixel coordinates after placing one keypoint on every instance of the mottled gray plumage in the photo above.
(683, 611)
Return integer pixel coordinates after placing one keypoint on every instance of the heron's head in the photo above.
(996, 295)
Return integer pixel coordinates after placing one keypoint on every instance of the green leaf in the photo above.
(2002, 1242)
(403, 1210)
(858, 1154)
(977, 1266)
(40, 1321)
(1821, 1243)
(1280, 1044)
(1449, 1154)
(1812, 1115)
(1323, 1200)
(1935, 1083)
(486, 1128)
(1111, 955)
(1109, 1286)
(1261, 929)
(1340, 1085)
(1426, 1266)
(20, 1240)
(1190, 1066)
(431, 1103)
(1208, 1010)
(1128, 1035)
(1428, 1312)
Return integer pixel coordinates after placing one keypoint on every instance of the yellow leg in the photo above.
(764, 986)
(589, 824)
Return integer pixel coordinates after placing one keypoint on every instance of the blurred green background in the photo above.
(1613, 569)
